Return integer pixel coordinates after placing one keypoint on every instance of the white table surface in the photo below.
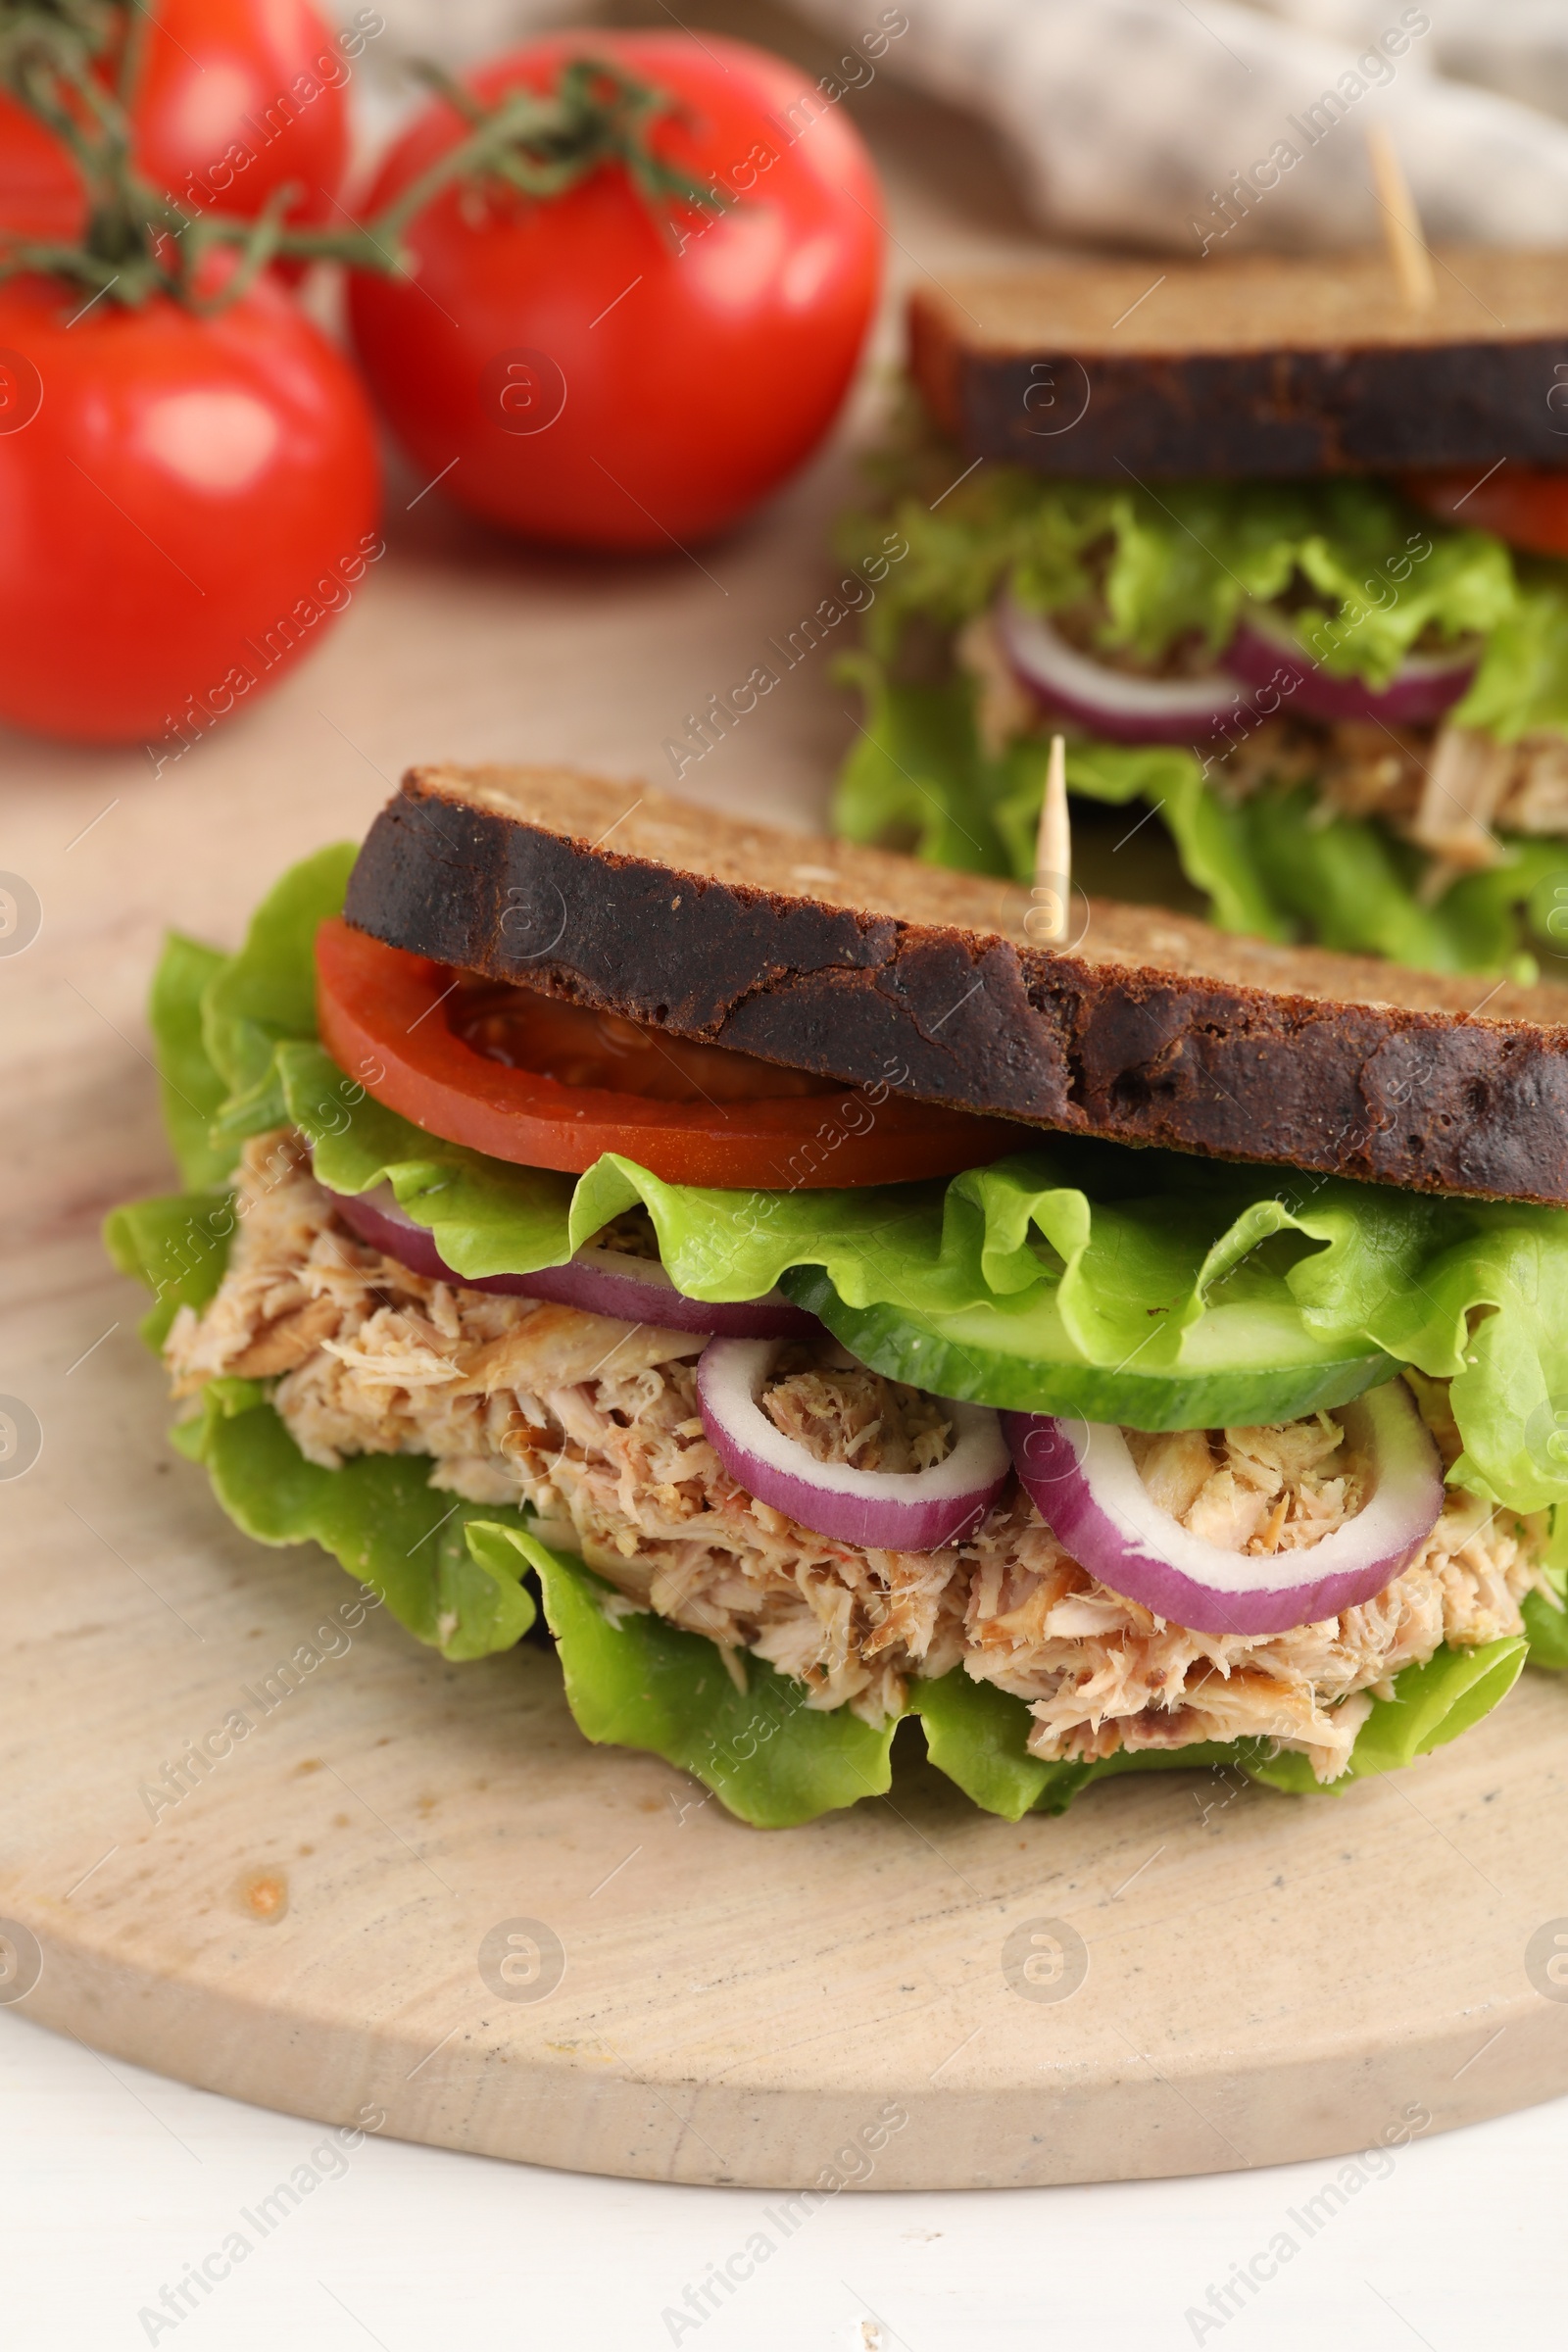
(115, 2183)
(112, 2183)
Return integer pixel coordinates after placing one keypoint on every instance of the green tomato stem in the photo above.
(140, 242)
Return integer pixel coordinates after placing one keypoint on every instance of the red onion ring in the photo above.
(1083, 1481)
(881, 1510)
(1116, 703)
(600, 1281)
(1265, 652)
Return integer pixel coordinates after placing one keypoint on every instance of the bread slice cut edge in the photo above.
(874, 969)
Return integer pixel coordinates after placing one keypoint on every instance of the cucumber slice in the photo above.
(1248, 1362)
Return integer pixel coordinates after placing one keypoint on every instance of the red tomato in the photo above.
(590, 373)
(184, 502)
(40, 193)
(1524, 504)
(233, 98)
(386, 1012)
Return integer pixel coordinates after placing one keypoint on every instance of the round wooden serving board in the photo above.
(321, 1924)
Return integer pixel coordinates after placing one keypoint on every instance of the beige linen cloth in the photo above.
(1130, 118)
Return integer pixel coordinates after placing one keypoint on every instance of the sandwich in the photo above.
(1283, 555)
(757, 1266)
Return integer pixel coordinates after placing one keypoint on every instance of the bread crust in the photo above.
(1254, 367)
(871, 969)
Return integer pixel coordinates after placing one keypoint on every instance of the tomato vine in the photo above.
(74, 63)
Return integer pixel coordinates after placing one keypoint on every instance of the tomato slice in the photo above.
(1527, 505)
(581, 1048)
(406, 1028)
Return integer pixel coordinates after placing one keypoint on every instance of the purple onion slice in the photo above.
(600, 1281)
(1116, 703)
(1265, 652)
(881, 1510)
(1082, 1479)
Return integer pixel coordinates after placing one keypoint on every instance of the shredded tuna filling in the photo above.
(593, 1424)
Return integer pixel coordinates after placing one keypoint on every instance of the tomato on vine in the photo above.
(188, 470)
(587, 366)
(189, 501)
(230, 101)
(187, 465)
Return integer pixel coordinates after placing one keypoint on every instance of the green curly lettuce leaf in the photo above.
(1430, 1705)
(1210, 834)
(191, 1087)
(961, 1273)
(177, 1245)
(1522, 685)
(1093, 1234)
(976, 1734)
(1350, 884)
(235, 1043)
(438, 1564)
(1547, 1629)
(634, 1681)
(915, 771)
(267, 992)
(1268, 864)
(486, 1216)
(1370, 574)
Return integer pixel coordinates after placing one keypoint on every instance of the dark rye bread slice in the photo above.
(1255, 366)
(865, 966)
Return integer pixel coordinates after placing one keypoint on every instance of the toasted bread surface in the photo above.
(1259, 364)
(872, 968)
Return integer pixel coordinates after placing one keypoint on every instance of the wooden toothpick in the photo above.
(1402, 223)
(1047, 919)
